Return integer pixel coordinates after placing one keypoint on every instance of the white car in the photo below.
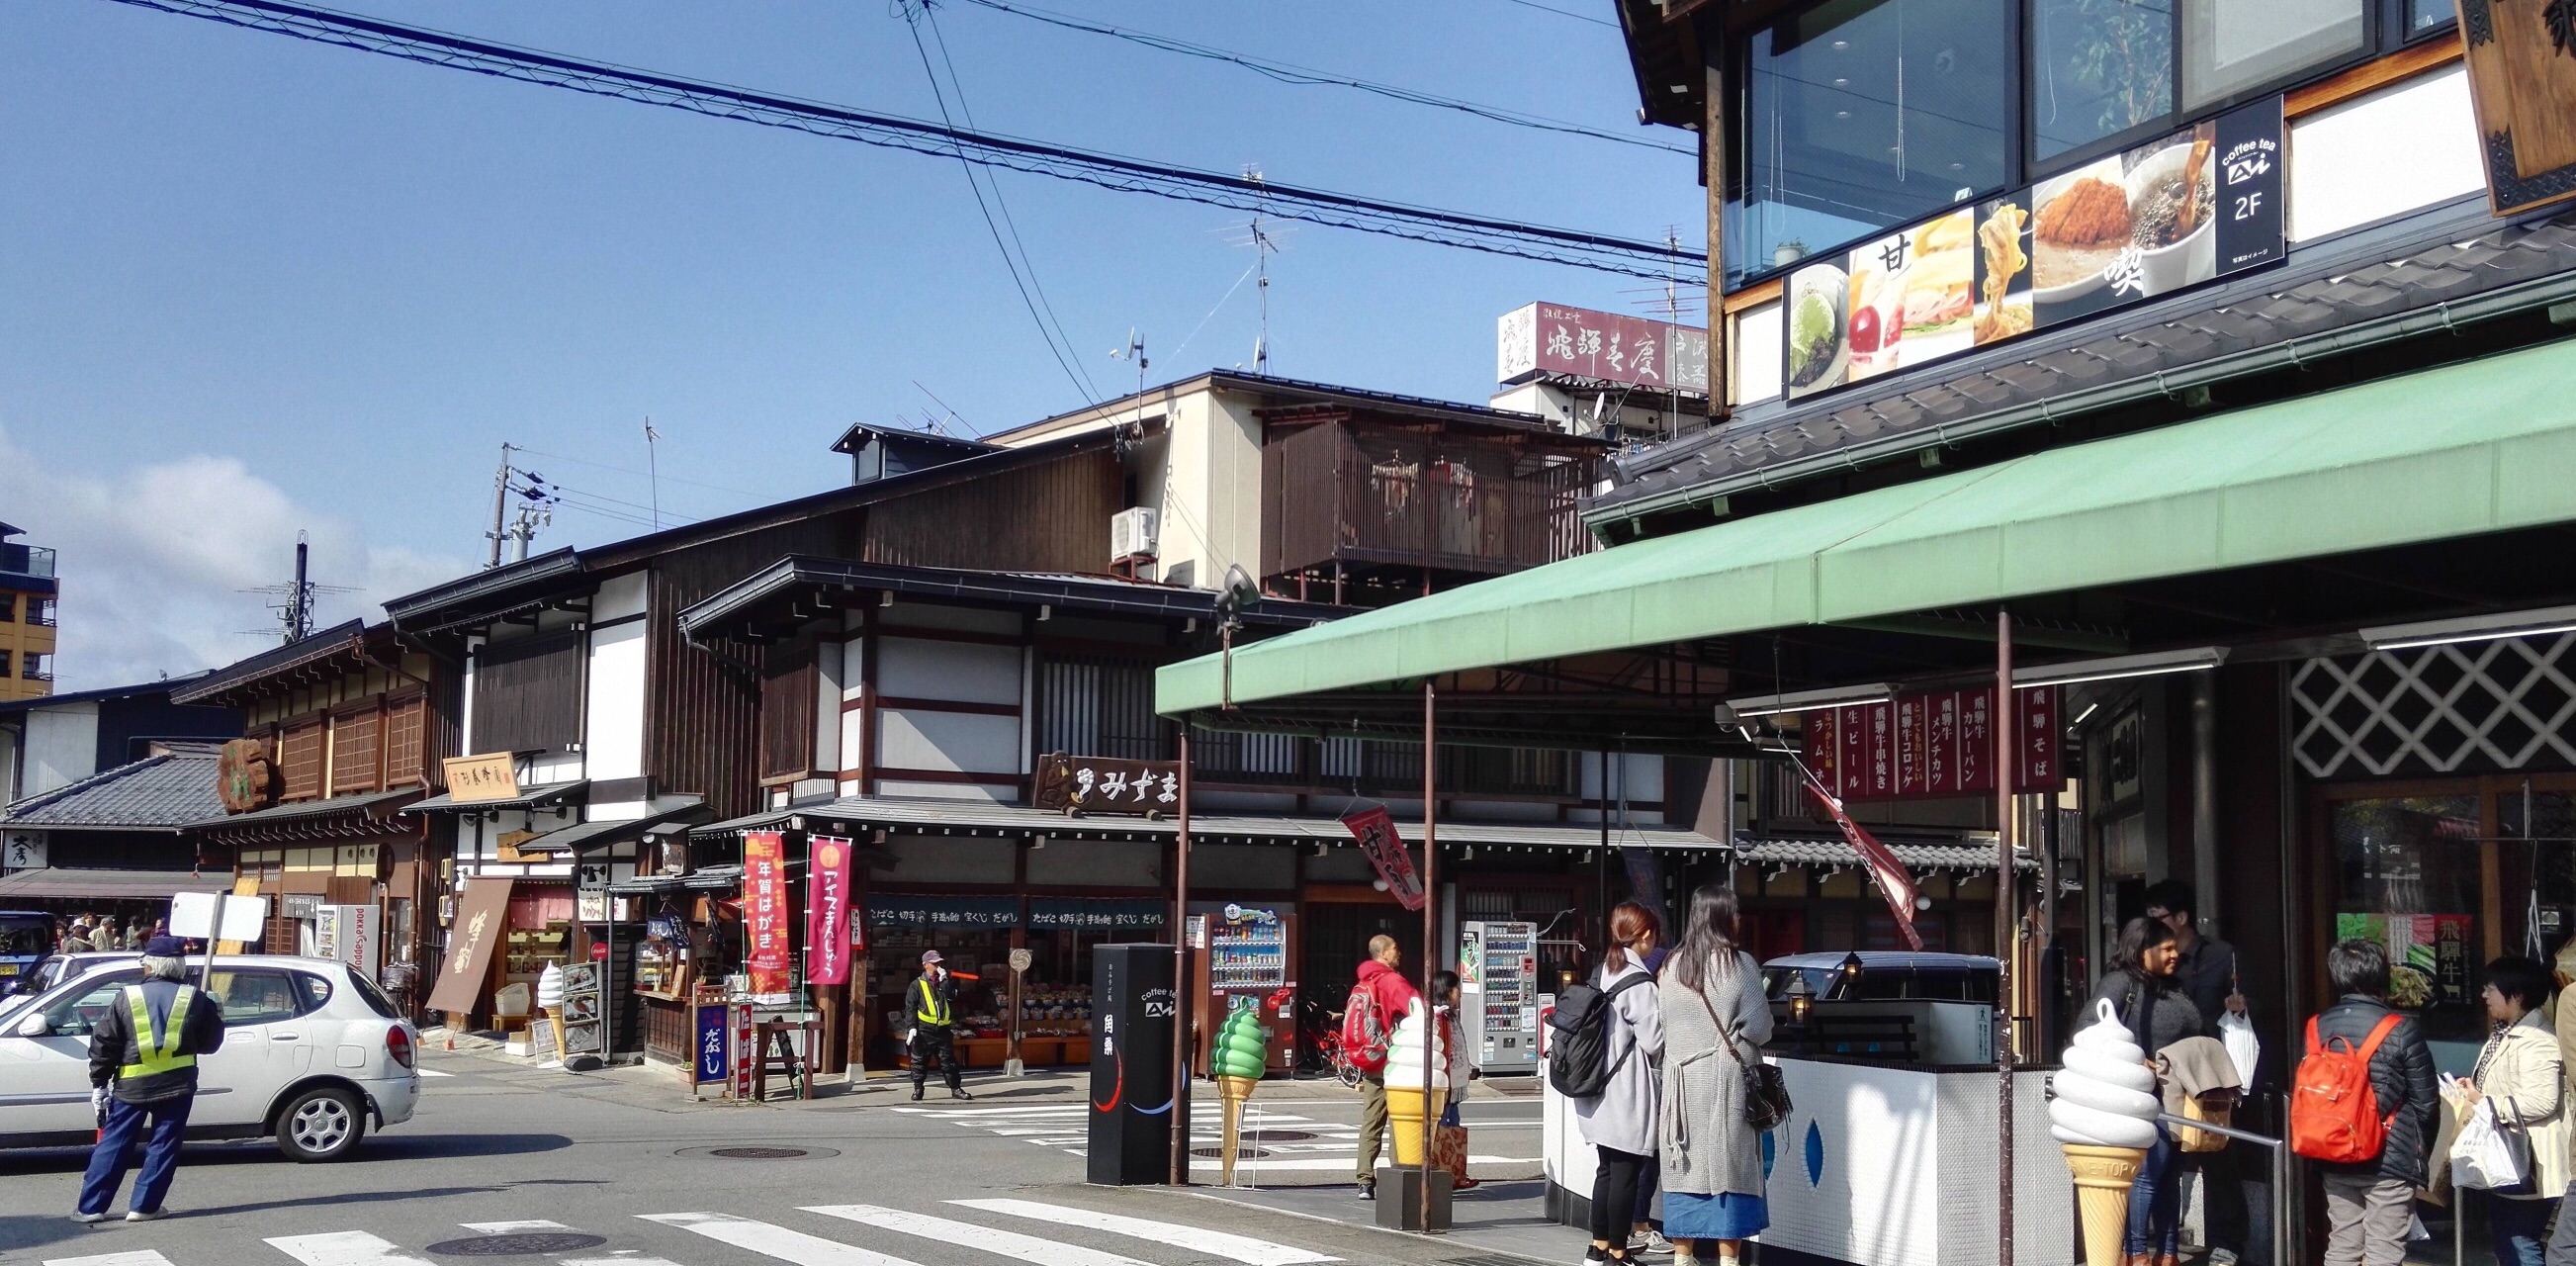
(54, 969)
(313, 1054)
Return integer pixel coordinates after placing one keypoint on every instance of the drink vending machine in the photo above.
(1498, 981)
(1241, 956)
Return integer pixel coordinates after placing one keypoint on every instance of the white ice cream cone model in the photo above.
(2103, 1115)
(1409, 1102)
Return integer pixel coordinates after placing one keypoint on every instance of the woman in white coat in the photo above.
(2520, 1072)
(1621, 1124)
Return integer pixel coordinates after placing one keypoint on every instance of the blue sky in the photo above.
(251, 284)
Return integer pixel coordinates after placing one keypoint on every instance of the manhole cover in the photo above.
(526, 1244)
(1279, 1136)
(757, 1153)
(1218, 1153)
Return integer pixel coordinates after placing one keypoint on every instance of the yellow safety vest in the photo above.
(162, 1057)
(929, 1010)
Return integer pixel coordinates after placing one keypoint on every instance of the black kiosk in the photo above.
(1134, 1007)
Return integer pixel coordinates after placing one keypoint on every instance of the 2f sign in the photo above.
(193, 915)
(2249, 206)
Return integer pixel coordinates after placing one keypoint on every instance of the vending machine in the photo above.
(1242, 956)
(1498, 981)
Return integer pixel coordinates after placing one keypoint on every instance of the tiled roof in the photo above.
(2426, 265)
(1834, 852)
(164, 792)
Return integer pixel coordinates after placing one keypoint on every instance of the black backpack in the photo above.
(1578, 1054)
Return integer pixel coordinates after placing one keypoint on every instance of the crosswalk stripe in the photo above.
(1027, 1248)
(774, 1241)
(1241, 1248)
(138, 1257)
(1024, 1110)
(432, 1072)
(343, 1248)
(513, 1228)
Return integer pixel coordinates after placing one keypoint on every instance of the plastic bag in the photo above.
(2243, 1048)
(2486, 1156)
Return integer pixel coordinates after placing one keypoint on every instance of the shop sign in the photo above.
(897, 910)
(581, 1006)
(714, 1019)
(827, 909)
(1375, 830)
(1096, 914)
(764, 913)
(303, 905)
(2521, 57)
(1542, 339)
(23, 850)
(2177, 211)
(1922, 746)
(664, 927)
(473, 779)
(746, 1050)
(1101, 784)
(482, 912)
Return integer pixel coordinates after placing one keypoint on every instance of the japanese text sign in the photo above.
(1100, 784)
(1542, 339)
(764, 913)
(473, 779)
(1940, 744)
(1375, 831)
(827, 910)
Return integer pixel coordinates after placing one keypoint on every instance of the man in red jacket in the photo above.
(1395, 995)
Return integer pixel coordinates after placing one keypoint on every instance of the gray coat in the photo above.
(1623, 1118)
(1707, 1148)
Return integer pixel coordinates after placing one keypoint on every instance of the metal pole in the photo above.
(1430, 937)
(1180, 1170)
(2007, 731)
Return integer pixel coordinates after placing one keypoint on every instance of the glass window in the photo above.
(375, 998)
(2410, 870)
(2098, 68)
(1863, 114)
(2424, 15)
(2229, 46)
(255, 997)
(316, 990)
(77, 1014)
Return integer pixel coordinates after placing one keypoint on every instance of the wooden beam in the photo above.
(2371, 76)
(1712, 150)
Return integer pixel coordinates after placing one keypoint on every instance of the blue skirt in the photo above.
(1721, 1217)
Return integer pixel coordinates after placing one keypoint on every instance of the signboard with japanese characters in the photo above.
(1551, 340)
(1097, 914)
(827, 910)
(474, 779)
(1919, 746)
(2521, 57)
(764, 915)
(714, 1043)
(2163, 216)
(1105, 784)
(906, 910)
(1374, 828)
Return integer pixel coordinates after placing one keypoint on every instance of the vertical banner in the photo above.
(1851, 727)
(1824, 748)
(1976, 750)
(1881, 780)
(1939, 744)
(2035, 740)
(827, 911)
(746, 1050)
(764, 914)
(713, 1044)
(1909, 746)
(1375, 830)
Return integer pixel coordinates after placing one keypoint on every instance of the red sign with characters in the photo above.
(1938, 744)
(764, 913)
(827, 911)
(1375, 831)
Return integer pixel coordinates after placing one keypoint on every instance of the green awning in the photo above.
(2482, 446)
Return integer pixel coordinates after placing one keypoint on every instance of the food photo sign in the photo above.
(2185, 208)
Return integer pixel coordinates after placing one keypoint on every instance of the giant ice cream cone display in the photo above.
(1409, 1103)
(2103, 1115)
(1242, 1049)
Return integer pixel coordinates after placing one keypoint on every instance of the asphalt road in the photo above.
(501, 1149)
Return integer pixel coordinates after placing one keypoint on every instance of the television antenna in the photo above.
(295, 613)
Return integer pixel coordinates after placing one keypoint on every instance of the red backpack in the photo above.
(1365, 1032)
(2334, 1112)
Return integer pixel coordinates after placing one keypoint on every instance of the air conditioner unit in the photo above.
(1131, 534)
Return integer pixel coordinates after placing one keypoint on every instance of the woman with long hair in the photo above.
(1620, 1123)
(1716, 1019)
(1449, 1140)
(2143, 992)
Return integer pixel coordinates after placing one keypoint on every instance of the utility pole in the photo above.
(299, 603)
(652, 471)
(500, 506)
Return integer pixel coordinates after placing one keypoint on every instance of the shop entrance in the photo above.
(1336, 939)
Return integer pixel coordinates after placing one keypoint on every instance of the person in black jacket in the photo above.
(2370, 1204)
(143, 1069)
(931, 1006)
(2144, 993)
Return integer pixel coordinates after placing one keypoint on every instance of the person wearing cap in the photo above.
(932, 1001)
(143, 1072)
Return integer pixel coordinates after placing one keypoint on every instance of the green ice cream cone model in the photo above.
(1242, 1050)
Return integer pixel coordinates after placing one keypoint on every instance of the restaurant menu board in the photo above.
(1920, 746)
(2182, 209)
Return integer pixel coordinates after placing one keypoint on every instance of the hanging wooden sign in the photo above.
(246, 776)
(2521, 57)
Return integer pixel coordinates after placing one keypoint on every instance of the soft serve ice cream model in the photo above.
(2102, 1111)
(1408, 1101)
(1242, 1051)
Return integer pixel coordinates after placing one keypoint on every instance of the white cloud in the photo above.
(154, 560)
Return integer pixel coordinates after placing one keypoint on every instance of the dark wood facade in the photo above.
(1052, 517)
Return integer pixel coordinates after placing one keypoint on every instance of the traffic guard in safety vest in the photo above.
(933, 1003)
(143, 1070)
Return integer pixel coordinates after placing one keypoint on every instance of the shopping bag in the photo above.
(2243, 1048)
(1449, 1150)
(2487, 1156)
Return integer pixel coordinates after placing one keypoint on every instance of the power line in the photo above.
(1565, 13)
(1303, 76)
(1570, 247)
(1058, 345)
(629, 470)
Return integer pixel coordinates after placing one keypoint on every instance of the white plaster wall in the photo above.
(2341, 174)
(613, 732)
(62, 746)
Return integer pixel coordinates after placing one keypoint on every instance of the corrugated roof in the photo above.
(167, 792)
(901, 813)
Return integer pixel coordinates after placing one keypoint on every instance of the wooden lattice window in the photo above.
(355, 747)
(300, 760)
(405, 723)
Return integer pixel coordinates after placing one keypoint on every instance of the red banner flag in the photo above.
(764, 914)
(827, 911)
(1894, 882)
(1375, 830)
